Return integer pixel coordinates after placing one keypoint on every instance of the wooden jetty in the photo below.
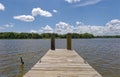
(62, 63)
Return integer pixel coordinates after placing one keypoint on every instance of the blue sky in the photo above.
(99, 17)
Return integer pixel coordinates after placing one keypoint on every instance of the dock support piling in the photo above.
(69, 45)
(52, 42)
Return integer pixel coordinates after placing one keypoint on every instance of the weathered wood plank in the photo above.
(62, 63)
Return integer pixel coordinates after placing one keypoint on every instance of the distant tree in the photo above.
(86, 35)
(75, 35)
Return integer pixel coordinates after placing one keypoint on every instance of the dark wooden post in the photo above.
(22, 62)
(52, 42)
(69, 45)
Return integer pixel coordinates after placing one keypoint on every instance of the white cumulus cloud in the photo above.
(26, 18)
(110, 28)
(113, 27)
(113, 22)
(79, 23)
(35, 12)
(63, 28)
(2, 7)
(46, 29)
(72, 1)
(39, 11)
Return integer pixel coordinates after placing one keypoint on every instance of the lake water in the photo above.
(102, 54)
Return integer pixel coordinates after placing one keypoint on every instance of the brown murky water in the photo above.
(102, 54)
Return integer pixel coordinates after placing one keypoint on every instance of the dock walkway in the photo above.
(62, 63)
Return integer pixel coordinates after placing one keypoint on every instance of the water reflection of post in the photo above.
(22, 70)
(21, 67)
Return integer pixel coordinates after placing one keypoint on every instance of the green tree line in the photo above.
(115, 36)
(14, 35)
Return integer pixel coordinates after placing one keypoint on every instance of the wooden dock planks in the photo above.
(62, 63)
